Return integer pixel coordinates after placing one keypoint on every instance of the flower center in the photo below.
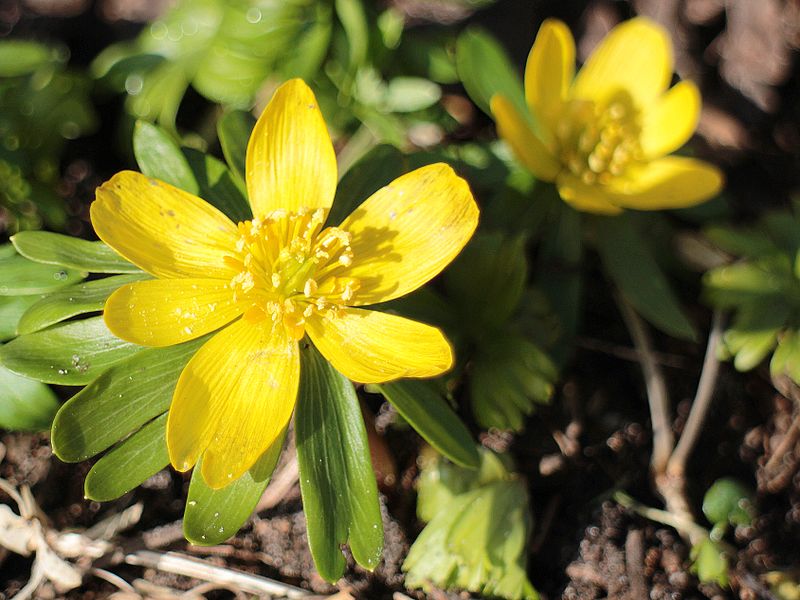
(288, 268)
(597, 142)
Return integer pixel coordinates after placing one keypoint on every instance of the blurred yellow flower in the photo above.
(266, 283)
(602, 135)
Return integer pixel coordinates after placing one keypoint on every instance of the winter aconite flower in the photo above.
(603, 135)
(264, 284)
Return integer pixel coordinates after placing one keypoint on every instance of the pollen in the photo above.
(290, 268)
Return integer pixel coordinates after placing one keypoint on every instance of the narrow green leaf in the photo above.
(66, 251)
(212, 516)
(233, 130)
(310, 50)
(428, 413)
(630, 264)
(11, 310)
(218, 186)
(340, 496)
(20, 57)
(25, 405)
(409, 94)
(22, 277)
(379, 167)
(486, 70)
(130, 463)
(354, 21)
(70, 354)
(159, 156)
(120, 401)
(72, 301)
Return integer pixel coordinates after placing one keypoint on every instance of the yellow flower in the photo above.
(269, 281)
(603, 134)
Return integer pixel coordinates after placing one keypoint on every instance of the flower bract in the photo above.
(263, 285)
(603, 134)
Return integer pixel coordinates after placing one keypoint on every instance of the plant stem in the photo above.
(663, 440)
(676, 467)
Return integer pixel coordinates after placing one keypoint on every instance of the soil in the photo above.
(595, 437)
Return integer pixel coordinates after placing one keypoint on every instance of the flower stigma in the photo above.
(290, 268)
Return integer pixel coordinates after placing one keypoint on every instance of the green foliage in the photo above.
(509, 373)
(710, 563)
(25, 405)
(486, 70)
(424, 408)
(477, 531)
(212, 516)
(340, 496)
(225, 50)
(42, 105)
(762, 290)
(728, 502)
(129, 463)
(630, 263)
(160, 156)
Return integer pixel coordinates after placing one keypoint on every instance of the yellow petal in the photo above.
(671, 120)
(635, 56)
(163, 312)
(669, 182)
(407, 232)
(290, 158)
(233, 399)
(514, 129)
(584, 197)
(549, 71)
(161, 229)
(371, 347)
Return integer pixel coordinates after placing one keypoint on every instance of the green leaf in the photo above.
(218, 186)
(477, 533)
(488, 278)
(70, 354)
(25, 405)
(509, 376)
(787, 356)
(120, 401)
(428, 413)
(486, 70)
(354, 21)
(22, 277)
(377, 168)
(67, 251)
(233, 130)
(310, 49)
(409, 94)
(72, 301)
(160, 156)
(11, 310)
(340, 496)
(20, 57)
(132, 462)
(630, 264)
(212, 516)
(729, 501)
(558, 268)
(710, 562)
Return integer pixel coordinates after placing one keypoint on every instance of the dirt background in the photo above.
(596, 434)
